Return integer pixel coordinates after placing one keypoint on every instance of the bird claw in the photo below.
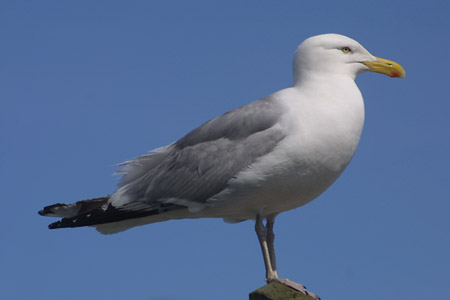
(296, 286)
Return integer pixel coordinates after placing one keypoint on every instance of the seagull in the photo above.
(251, 163)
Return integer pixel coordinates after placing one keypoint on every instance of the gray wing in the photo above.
(182, 175)
(200, 164)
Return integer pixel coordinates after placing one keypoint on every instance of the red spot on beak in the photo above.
(394, 74)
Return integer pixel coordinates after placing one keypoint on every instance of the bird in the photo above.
(252, 163)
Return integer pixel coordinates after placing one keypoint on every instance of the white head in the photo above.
(338, 55)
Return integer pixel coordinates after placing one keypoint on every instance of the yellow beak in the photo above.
(384, 66)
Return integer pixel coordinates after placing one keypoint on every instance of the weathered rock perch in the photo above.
(277, 291)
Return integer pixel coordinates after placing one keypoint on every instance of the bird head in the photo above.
(339, 55)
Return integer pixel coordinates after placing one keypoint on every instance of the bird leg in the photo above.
(266, 239)
(270, 236)
(261, 232)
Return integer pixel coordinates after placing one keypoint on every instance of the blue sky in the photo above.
(88, 84)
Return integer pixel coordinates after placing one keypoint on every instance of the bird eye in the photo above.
(346, 49)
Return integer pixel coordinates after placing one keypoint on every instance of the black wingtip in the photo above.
(94, 212)
(49, 209)
(55, 225)
(76, 214)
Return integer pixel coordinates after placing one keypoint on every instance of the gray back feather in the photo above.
(200, 164)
